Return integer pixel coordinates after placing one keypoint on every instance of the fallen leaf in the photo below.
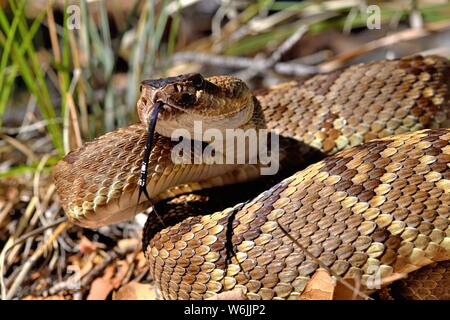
(343, 292)
(123, 268)
(319, 287)
(102, 286)
(135, 291)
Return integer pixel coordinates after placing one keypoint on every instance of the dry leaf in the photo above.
(319, 287)
(135, 291)
(123, 268)
(343, 292)
(102, 286)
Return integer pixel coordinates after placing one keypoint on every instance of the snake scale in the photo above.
(377, 205)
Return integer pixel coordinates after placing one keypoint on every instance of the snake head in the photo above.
(178, 93)
(220, 102)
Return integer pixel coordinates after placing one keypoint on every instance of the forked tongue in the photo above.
(147, 150)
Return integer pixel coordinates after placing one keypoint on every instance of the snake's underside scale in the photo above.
(376, 207)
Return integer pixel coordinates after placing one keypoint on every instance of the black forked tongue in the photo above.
(147, 150)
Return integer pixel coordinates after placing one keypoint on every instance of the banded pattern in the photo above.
(376, 209)
(429, 283)
(97, 183)
(362, 102)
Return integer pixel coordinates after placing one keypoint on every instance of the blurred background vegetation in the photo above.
(75, 84)
(60, 86)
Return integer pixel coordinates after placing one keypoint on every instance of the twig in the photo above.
(140, 276)
(231, 62)
(295, 69)
(19, 146)
(36, 255)
(322, 265)
(288, 44)
(23, 223)
(5, 210)
(290, 68)
(394, 38)
(114, 254)
(31, 221)
(61, 286)
(36, 181)
(276, 56)
(38, 231)
(27, 128)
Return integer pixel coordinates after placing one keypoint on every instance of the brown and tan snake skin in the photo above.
(381, 207)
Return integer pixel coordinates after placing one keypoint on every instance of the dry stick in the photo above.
(36, 255)
(232, 62)
(82, 105)
(61, 286)
(405, 35)
(31, 222)
(70, 115)
(83, 124)
(29, 113)
(275, 56)
(37, 231)
(67, 285)
(140, 276)
(131, 269)
(116, 253)
(52, 33)
(20, 240)
(73, 126)
(258, 24)
(322, 265)
(36, 180)
(73, 123)
(5, 210)
(19, 146)
(23, 222)
(213, 59)
(30, 127)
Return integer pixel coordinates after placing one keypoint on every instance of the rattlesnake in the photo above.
(378, 204)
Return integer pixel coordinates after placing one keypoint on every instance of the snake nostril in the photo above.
(144, 100)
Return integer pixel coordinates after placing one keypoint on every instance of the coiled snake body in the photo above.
(373, 207)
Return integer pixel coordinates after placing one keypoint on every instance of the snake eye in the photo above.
(187, 98)
(197, 80)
